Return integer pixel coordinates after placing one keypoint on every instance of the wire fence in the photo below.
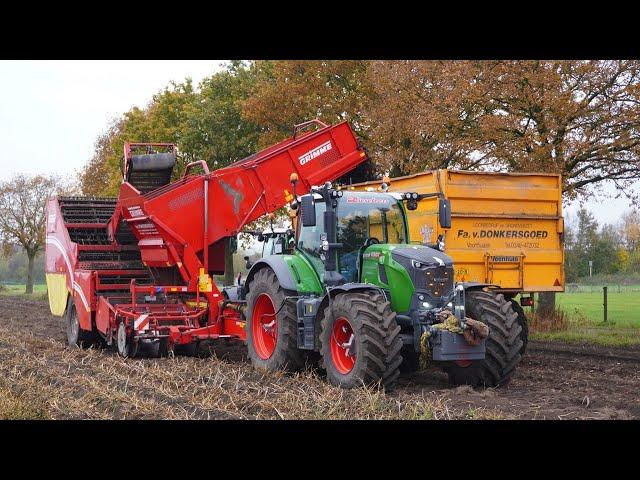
(613, 288)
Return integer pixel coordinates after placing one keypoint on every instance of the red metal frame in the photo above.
(182, 226)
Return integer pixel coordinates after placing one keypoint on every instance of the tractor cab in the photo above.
(363, 219)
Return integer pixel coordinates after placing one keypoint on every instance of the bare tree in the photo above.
(22, 215)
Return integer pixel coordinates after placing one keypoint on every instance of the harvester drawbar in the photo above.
(136, 270)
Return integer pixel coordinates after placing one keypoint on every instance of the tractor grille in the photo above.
(439, 280)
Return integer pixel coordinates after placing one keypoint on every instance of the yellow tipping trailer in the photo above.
(506, 228)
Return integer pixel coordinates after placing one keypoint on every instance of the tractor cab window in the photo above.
(363, 217)
(309, 238)
(267, 247)
(274, 244)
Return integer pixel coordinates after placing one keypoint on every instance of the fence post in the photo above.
(604, 290)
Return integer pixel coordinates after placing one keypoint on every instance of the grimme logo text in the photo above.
(311, 154)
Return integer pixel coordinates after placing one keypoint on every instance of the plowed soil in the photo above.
(40, 377)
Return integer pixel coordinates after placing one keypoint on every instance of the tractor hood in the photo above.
(425, 255)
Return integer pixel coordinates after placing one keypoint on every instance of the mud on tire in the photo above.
(285, 354)
(376, 336)
(503, 345)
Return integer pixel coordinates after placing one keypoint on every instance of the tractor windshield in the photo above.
(366, 216)
(361, 216)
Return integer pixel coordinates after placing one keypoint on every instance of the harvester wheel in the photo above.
(360, 340)
(76, 336)
(127, 348)
(188, 350)
(522, 320)
(272, 325)
(158, 348)
(503, 344)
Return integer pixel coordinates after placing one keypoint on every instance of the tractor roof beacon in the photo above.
(352, 293)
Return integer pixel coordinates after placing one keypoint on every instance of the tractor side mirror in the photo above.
(444, 212)
(308, 211)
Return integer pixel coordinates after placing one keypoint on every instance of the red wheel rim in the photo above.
(343, 347)
(462, 363)
(264, 327)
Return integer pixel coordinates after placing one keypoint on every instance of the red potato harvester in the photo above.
(137, 269)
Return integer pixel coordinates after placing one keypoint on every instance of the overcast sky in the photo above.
(51, 112)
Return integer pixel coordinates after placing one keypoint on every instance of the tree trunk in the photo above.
(228, 263)
(546, 303)
(29, 289)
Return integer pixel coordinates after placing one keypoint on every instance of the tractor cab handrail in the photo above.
(202, 163)
(302, 125)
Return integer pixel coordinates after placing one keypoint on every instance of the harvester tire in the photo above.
(522, 320)
(127, 348)
(502, 346)
(360, 341)
(76, 336)
(188, 350)
(272, 325)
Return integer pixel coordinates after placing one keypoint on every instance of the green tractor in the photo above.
(348, 290)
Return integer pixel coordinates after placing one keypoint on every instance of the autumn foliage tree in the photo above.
(22, 216)
(577, 118)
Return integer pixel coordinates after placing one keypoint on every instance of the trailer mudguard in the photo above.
(293, 271)
(477, 285)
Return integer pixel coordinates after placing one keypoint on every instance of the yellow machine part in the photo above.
(204, 282)
(57, 289)
(506, 228)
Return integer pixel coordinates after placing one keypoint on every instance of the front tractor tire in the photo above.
(272, 325)
(360, 341)
(503, 346)
(76, 336)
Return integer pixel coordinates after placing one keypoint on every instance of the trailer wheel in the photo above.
(76, 336)
(360, 341)
(127, 348)
(522, 320)
(272, 325)
(503, 345)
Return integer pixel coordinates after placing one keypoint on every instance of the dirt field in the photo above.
(41, 378)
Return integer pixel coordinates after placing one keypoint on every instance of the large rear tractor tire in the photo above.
(360, 341)
(522, 320)
(272, 325)
(76, 336)
(502, 346)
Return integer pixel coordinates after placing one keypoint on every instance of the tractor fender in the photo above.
(279, 267)
(348, 287)
(333, 291)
